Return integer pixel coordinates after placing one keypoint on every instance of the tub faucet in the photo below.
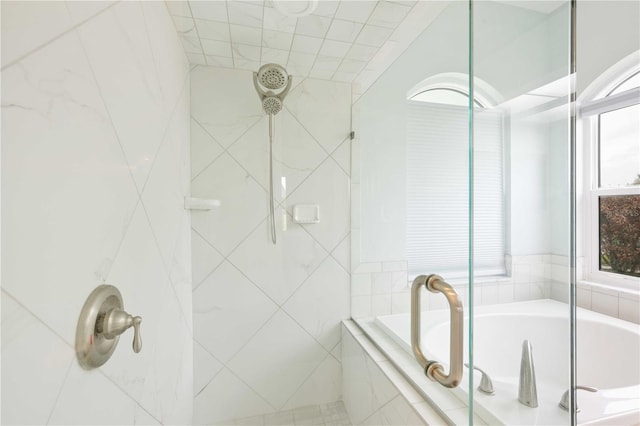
(564, 402)
(527, 392)
(486, 385)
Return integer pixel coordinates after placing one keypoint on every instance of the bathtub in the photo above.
(608, 359)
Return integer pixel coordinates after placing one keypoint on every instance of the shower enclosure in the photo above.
(465, 166)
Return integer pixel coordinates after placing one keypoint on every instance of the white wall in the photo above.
(267, 317)
(515, 50)
(512, 55)
(608, 32)
(95, 163)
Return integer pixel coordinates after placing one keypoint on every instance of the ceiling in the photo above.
(350, 40)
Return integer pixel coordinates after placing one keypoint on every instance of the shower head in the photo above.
(271, 105)
(272, 76)
(268, 79)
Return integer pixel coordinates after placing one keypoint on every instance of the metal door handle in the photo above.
(433, 369)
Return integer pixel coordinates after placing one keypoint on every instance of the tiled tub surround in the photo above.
(267, 317)
(375, 393)
(384, 384)
(95, 163)
(382, 288)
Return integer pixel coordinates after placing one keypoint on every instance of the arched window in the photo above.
(611, 187)
(438, 182)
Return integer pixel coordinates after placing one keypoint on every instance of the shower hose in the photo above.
(271, 209)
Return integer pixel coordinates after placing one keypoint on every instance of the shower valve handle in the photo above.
(117, 321)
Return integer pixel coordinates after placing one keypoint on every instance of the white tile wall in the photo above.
(267, 317)
(380, 288)
(95, 131)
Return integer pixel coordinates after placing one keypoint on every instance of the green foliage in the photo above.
(620, 234)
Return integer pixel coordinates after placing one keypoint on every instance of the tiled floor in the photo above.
(333, 414)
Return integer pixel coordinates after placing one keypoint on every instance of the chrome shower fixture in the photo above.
(268, 79)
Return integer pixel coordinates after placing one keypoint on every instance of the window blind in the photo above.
(438, 190)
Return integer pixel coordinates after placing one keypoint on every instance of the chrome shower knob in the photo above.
(101, 323)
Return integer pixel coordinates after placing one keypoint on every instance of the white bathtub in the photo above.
(608, 359)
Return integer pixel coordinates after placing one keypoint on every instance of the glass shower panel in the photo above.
(410, 194)
(520, 301)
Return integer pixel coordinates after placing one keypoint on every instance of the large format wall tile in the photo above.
(322, 386)
(299, 286)
(24, 341)
(66, 183)
(28, 25)
(328, 186)
(171, 63)
(321, 108)
(92, 96)
(224, 102)
(288, 355)
(227, 397)
(321, 302)
(126, 75)
(76, 403)
(204, 149)
(295, 153)
(280, 268)
(135, 271)
(243, 204)
(228, 309)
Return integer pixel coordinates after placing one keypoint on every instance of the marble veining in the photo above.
(285, 301)
(95, 164)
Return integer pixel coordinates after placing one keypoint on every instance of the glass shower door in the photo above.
(520, 311)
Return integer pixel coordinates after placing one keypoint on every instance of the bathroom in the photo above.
(135, 135)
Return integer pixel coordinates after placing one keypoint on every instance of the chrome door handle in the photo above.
(433, 369)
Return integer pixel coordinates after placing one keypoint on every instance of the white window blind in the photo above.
(438, 190)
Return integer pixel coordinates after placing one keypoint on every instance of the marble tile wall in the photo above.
(267, 317)
(95, 165)
(374, 392)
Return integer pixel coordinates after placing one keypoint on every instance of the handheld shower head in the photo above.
(271, 105)
(272, 77)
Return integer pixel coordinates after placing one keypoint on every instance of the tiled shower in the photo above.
(114, 112)
(106, 127)
(271, 340)
(95, 165)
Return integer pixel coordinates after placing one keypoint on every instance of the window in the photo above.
(438, 185)
(612, 187)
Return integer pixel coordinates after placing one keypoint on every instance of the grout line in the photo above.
(23, 306)
(165, 133)
(336, 259)
(348, 173)
(167, 271)
(226, 149)
(72, 347)
(65, 32)
(195, 24)
(64, 382)
(306, 379)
